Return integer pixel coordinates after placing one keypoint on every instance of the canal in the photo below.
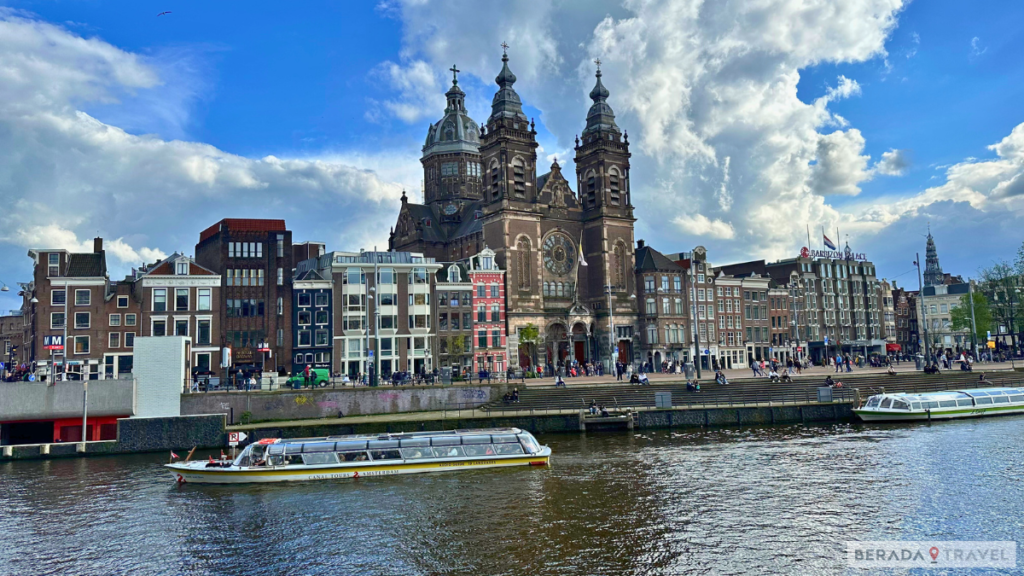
(728, 501)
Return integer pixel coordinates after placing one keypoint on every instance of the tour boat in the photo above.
(942, 405)
(359, 456)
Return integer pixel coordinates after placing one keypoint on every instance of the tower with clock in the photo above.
(568, 254)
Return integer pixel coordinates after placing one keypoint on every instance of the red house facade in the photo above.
(490, 336)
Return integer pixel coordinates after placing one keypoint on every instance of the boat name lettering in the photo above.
(471, 463)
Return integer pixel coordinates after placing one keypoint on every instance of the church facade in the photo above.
(568, 254)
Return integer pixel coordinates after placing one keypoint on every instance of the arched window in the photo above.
(519, 177)
(547, 289)
(591, 198)
(523, 267)
(613, 185)
(619, 267)
(560, 290)
(495, 180)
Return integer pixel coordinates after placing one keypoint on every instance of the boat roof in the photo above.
(402, 435)
(955, 394)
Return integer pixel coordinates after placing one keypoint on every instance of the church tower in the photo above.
(933, 275)
(508, 146)
(451, 156)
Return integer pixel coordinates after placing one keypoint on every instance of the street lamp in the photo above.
(924, 310)
(5, 288)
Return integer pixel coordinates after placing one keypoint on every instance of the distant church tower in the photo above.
(933, 275)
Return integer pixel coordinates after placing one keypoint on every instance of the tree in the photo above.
(528, 337)
(999, 283)
(457, 344)
(960, 317)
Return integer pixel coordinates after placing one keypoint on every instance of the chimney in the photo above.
(639, 244)
(97, 245)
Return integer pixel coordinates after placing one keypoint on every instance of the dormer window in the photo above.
(182, 268)
(453, 274)
(488, 263)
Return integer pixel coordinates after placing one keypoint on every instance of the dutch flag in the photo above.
(828, 243)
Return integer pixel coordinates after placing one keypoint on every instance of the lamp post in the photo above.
(974, 327)
(924, 310)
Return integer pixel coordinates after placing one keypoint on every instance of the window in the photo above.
(613, 182)
(305, 299)
(122, 301)
(523, 268)
(677, 284)
(159, 327)
(203, 332)
(494, 290)
(304, 318)
(280, 276)
(321, 316)
(664, 283)
(481, 314)
(82, 320)
(182, 268)
(519, 177)
(83, 297)
(481, 291)
(700, 294)
(664, 306)
(258, 281)
(115, 340)
(129, 319)
(943, 308)
(305, 338)
(495, 314)
(418, 276)
(280, 245)
(650, 306)
(649, 283)
(280, 336)
(129, 339)
(481, 339)
(455, 298)
(181, 299)
(495, 338)
(160, 300)
(181, 327)
(679, 307)
(81, 344)
(115, 319)
(53, 261)
(58, 297)
(56, 320)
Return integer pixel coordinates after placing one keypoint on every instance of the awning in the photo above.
(892, 347)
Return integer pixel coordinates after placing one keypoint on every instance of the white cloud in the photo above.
(419, 93)
(893, 163)
(700, 225)
(976, 47)
(66, 175)
(840, 165)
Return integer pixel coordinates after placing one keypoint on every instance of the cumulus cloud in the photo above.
(893, 163)
(840, 166)
(700, 225)
(66, 175)
(418, 92)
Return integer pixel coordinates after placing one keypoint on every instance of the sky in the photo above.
(750, 122)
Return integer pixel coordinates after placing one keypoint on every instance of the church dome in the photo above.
(456, 131)
(600, 118)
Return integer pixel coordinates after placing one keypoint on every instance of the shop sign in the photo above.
(846, 254)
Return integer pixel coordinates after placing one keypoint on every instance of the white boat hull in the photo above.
(951, 414)
(200, 472)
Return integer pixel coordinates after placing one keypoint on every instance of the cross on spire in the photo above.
(598, 62)
(504, 48)
(455, 75)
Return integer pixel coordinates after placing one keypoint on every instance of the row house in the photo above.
(732, 352)
(176, 297)
(312, 322)
(663, 321)
(905, 319)
(780, 314)
(383, 310)
(454, 290)
(253, 259)
(756, 326)
(12, 330)
(700, 301)
(490, 350)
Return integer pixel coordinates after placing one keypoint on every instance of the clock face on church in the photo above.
(559, 254)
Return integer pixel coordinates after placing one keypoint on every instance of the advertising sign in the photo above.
(53, 342)
(846, 254)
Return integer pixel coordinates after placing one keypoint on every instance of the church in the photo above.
(568, 255)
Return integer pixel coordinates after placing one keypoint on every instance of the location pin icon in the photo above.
(934, 552)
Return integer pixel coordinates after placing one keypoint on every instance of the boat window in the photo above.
(967, 402)
(446, 441)
(319, 458)
(503, 438)
(378, 444)
(900, 405)
(291, 459)
(1002, 399)
(476, 439)
(386, 454)
(275, 460)
(915, 405)
(410, 442)
(976, 394)
(318, 447)
(353, 456)
(873, 401)
(980, 401)
(886, 403)
(350, 445)
(1016, 398)
(276, 449)
(414, 453)
(448, 451)
(947, 404)
(530, 444)
(479, 450)
(508, 448)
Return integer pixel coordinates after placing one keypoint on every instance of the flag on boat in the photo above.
(828, 243)
(583, 262)
(212, 461)
(174, 456)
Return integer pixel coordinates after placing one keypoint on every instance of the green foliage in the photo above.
(457, 345)
(529, 334)
(960, 317)
(245, 418)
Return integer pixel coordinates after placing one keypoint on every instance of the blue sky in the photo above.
(747, 125)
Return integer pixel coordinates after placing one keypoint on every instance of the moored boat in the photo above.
(942, 405)
(358, 456)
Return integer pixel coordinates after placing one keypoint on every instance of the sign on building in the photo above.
(53, 342)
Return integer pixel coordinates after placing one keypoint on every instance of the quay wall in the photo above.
(135, 435)
(553, 423)
(338, 403)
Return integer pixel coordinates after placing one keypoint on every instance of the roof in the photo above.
(432, 231)
(166, 268)
(88, 264)
(243, 225)
(311, 274)
(442, 273)
(648, 259)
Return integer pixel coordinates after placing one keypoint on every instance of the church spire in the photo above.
(933, 275)
(506, 103)
(600, 118)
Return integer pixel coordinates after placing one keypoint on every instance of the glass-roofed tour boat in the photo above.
(358, 456)
(942, 405)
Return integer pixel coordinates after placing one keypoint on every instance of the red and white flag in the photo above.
(174, 456)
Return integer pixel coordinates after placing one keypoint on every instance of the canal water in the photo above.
(774, 500)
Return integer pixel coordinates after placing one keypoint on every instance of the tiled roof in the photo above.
(243, 225)
(432, 231)
(166, 268)
(89, 264)
(648, 259)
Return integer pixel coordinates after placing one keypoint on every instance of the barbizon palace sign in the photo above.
(846, 254)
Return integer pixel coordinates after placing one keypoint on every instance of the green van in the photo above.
(317, 376)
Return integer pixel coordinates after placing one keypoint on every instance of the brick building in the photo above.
(254, 261)
(490, 351)
(312, 321)
(454, 290)
(12, 331)
(663, 322)
(905, 319)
